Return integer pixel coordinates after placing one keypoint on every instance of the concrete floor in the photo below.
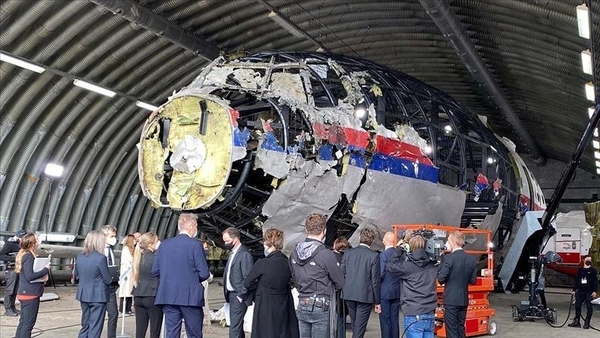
(61, 318)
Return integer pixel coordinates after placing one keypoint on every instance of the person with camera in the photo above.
(418, 296)
(457, 271)
(7, 254)
(316, 274)
(586, 285)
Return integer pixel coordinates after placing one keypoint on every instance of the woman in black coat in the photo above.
(31, 284)
(274, 314)
(145, 286)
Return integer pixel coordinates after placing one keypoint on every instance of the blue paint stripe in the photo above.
(270, 142)
(240, 137)
(403, 167)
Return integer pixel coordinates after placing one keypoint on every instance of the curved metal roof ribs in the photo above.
(444, 18)
(160, 26)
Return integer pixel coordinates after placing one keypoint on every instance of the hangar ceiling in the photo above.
(531, 48)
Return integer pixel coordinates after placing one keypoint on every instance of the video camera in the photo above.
(434, 245)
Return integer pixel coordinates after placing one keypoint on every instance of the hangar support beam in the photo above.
(160, 26)
(444, 18)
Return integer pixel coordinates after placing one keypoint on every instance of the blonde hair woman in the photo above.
(91, 269)
(125, 285)
(145, 286)
(29, 292)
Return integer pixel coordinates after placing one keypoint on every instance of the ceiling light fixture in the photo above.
(597, 154)
(94, 88)
(54, 170)
(286, 24)
(589, 91)
(583, 21)
(586, 61)
(146, 106)
(591, 112)
(596, 144)
(490, 160)
(21, 63)
(428, 149)
(448, 129)
(598, 164)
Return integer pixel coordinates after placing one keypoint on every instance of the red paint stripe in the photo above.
(344, 136)
(347, 136)
(398, 149)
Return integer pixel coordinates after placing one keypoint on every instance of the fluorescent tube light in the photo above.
(598, 171)
(597, 154)
(286, 24)
(589, 91)
(596, 144)
(583, 21)
(21, 63)
(598, 164)
(591, 111)
(596, 132)
(146, 106)
(54, 170)
(94, 88)
(586, 61)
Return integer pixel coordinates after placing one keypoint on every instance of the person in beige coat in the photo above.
(125, 284)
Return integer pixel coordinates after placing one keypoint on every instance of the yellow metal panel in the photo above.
(201, 187)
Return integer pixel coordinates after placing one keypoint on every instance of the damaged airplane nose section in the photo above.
(186, 152)
(264, 140)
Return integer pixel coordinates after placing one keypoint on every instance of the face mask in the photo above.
(111, 241)
(157, 245)
(195, 234)
(447, 246)
(587, 263)
(267, 252)
(229, 245)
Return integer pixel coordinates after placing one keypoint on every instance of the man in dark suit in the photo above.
(389, 318)
(181, 266)
(457, 271)
(362, 288)
(110, 234)
(238, 266)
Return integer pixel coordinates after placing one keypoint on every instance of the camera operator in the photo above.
(457, 271)
(586, 284)
(418, 296)
(7, 254)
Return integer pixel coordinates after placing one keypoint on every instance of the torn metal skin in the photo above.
(306, 185)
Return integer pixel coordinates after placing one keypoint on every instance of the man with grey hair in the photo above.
(181, 265)
(110, 234)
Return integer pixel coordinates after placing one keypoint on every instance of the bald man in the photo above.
(390, 291)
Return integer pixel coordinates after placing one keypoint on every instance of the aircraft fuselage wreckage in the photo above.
(264, 140)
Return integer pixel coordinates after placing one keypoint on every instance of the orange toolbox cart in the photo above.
(479, 244)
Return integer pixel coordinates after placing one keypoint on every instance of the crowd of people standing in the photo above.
(168, 281)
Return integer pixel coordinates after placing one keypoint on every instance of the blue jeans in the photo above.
(419, 326)
(313, 324)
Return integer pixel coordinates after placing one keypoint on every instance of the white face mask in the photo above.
(111, 241)
(157, 245)
(447, 246)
